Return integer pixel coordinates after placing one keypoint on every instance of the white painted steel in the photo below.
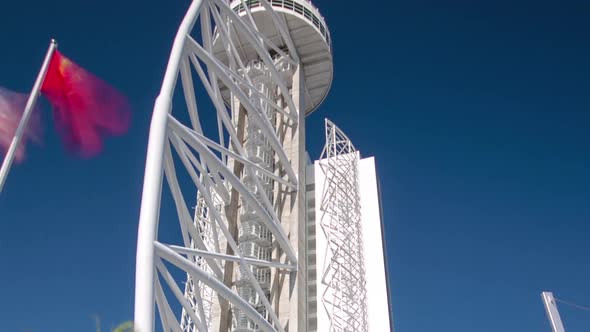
(214, 283)
(144, 317)
(308, 32)
(341, 274)
(379, 317)
(552, 312)
(239, 176)
(256, 262)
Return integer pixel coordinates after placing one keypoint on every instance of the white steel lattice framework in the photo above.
(238, 256)
(343, 275)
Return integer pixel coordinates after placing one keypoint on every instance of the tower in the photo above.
(242, 255)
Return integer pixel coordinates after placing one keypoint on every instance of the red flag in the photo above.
(85, 108)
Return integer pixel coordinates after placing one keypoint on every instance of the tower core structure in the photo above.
(240, 260)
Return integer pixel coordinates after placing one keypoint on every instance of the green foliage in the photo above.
(125, 327)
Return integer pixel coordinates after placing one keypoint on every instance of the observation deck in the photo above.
(309, 33)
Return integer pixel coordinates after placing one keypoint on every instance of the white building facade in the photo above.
(348, 285)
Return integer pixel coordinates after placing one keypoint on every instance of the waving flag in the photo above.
(85, 108)
(12, 105)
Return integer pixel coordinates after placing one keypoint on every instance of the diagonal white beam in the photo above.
(257, 262)
(189, 94)
(230, 48)
(217, 217)
(261, 50)
(253, 112)
(218, 286)
(264, 40)
(222, 113)
(247, 83)
(249, 14)
(280, 24)
(165, 311)
(179, 295)
(238, 158)
(267, 217)
(211, 83)
(185, 220)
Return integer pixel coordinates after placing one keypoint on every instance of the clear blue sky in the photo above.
(478, 113)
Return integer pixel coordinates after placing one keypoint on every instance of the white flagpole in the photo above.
(20, 130)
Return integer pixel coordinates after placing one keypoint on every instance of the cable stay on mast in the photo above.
(574, 305)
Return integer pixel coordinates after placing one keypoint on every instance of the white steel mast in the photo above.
(552, 312)
(264, 65)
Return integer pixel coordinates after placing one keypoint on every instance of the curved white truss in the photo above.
(228, 175)
(343, 273)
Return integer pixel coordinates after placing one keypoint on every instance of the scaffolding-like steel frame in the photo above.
(344, 297)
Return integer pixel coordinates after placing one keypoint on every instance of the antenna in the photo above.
(552, 312)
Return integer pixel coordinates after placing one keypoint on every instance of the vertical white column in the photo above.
(144, 315)
(148, 219)
(292, 305)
